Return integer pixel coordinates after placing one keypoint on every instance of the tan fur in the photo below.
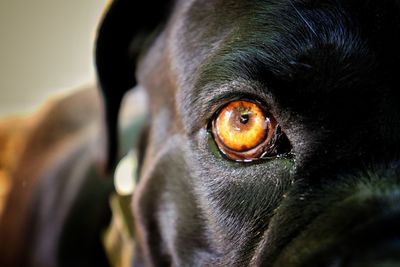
(33, 143)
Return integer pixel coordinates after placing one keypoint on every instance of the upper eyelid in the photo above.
(219, 102)
(211, 97)
(228, 93)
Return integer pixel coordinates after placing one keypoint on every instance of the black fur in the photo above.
(117, 52)
(328, 71)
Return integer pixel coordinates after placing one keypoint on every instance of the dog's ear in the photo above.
(123, 31)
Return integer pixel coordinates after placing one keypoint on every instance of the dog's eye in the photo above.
(243, 131)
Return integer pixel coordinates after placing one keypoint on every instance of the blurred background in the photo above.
(51, 143)
(45, 48)
(46, 52)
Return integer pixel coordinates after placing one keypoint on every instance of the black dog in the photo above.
(273, 138)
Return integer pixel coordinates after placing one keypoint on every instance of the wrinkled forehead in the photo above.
(215, 43)
(312, 50)
(283, 29)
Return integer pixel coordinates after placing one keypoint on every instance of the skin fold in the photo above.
(327, 72)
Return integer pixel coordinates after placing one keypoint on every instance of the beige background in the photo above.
(45, 48)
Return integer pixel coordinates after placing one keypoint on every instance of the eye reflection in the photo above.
(243, 131)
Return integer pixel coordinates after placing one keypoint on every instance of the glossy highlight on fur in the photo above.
(326, 69)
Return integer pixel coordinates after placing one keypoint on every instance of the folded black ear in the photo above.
(125, 28)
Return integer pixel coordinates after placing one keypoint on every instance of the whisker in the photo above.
(303, 18)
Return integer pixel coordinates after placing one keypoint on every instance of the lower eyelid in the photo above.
(243, 140)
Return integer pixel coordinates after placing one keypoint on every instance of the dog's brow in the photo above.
(258, 73)
(295, 60)
(206, 99)
(214, 93)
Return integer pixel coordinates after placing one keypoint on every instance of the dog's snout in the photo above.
(384, 254)
(358, 227)
(370, 216)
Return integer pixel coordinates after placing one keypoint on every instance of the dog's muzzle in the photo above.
(360, 229)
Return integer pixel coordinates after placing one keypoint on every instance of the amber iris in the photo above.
(241, 125)
(243, 131)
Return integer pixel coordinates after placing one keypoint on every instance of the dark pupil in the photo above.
(244, 118)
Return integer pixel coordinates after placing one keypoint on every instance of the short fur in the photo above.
(327, 69)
